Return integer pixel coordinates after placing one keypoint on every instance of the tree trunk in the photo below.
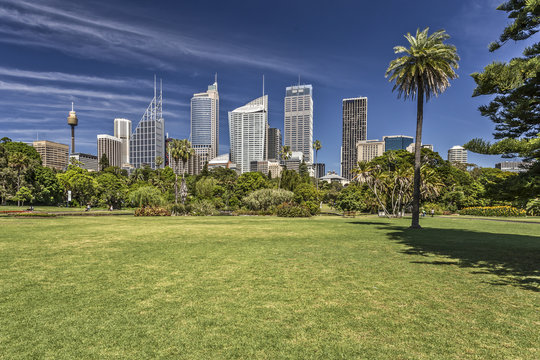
(18, 187)
(417, 158)
(176, 189)
(183, 188)
(315, 168)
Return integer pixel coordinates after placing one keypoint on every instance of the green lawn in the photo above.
(268, 288)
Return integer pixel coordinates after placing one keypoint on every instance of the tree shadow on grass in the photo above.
(515, 259)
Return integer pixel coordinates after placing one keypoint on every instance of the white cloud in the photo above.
(116, 40)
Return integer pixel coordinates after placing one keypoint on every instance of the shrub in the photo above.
(492, 211)
(439, 210)
(533, 207)
(203, 208)
(265, 199)
(313, 207)
(152, 211)
(146, 196)
(179, 209)
(292, 210)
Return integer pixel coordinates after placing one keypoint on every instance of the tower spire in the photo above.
(263, 86)
(154, 86)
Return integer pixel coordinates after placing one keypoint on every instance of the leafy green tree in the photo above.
(515, 85)
(79, 181)
(249, 182)
(306, 192)
(303, 171)
(205, 187)
(47, 188)
(24, 194)
(290, 179)
(146, 196)
(111, 190)
(20, 147)
(424, 70)
(351, 198)
(103, 162)
(19, 162)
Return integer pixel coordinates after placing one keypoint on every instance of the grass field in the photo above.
(268, 288)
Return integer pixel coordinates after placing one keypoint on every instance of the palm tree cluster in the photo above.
(392, 188)
(180, 150)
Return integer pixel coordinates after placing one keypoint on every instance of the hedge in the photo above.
(492, 211)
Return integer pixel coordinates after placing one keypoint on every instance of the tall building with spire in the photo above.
(298, 121)
(205, 123)
(354, 130)
(148, 140)
(247, 130)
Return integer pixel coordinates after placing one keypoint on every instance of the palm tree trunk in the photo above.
(176, 189)
(316, 178)
(18, 187)
(417, 157)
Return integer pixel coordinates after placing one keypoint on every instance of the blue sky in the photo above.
(103, 55)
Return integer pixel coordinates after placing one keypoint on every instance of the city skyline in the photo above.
(110, 75)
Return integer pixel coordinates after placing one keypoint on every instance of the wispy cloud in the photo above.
(117, 40)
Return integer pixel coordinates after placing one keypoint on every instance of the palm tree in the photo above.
(180, 150)
(425, 70)
(159, 161)
(317, 146)
(285, 154)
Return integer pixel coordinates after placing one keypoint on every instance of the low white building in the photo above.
(331, 177)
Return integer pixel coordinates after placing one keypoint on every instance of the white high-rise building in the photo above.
(247, 130)
(148, 140)
(298, 124)
(457, 154)
(205, 123)
(111, 147)
(122, 131)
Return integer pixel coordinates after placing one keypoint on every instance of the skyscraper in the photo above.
(457, 154)
(148, 140)
(274, 143)
(354, 130)
(111, 147)
(247, 131)
(298, 125)
(205, 123)
(397, 142)
(122, 131)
